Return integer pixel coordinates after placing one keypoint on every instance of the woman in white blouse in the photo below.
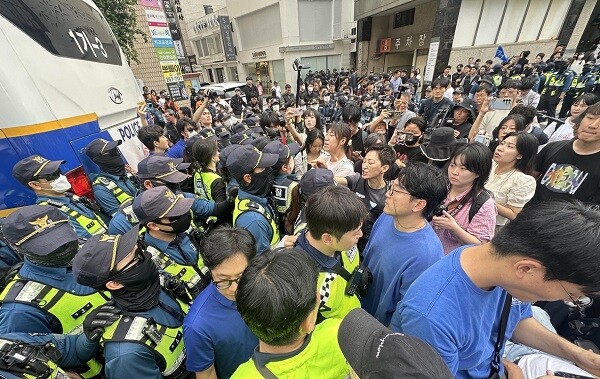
(337, 146)
(510, 180)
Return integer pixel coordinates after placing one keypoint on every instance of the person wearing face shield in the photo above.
(51, 187)
(146, 339)
(253, 170)
(155, 171)
(112, 186)
(556, 86)
(43, 296)
(167, 218)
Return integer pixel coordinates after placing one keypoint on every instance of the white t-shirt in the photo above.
(513, 188)
(563, 133)
(344, 167)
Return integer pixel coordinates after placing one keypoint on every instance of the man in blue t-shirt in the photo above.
(402, 243)
(216, 338)
(549, 252)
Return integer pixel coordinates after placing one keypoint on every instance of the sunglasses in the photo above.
(49, 177)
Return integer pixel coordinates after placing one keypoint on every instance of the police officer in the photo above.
(497, 76)
(555, 87)
(167, 218)
(157, 170)
(253, 170)
(367, 113)
(43, 297)
(146, 341)
(283, 179)
(327, 108)
(112, 187)
(44, 177)
(581, 83)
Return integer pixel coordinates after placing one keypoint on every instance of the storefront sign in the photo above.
(321, 46)
(227, 38)
(408, 42)
(208, 22)
(259, 55)
(151, 3)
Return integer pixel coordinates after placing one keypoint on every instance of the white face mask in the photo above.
(61, 184)
(315, 107)
(275, 108)
(310, 89)
(386, 103)
(326, 98)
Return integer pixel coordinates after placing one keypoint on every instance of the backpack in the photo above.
(478, 202)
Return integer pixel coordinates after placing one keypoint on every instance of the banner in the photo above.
(165, 51)
(227, 38)
(151, 3)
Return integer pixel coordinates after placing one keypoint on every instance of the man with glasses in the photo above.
(146, 340)
(549, 252)
(51, 187)
(216, 338)
(402, 243)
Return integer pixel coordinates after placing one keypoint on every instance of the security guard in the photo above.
(334, 219)
(44, 297)
(283, 179)
(253, 170)
(112, 187)
(167, 218)
(146, 341)
(557, 83)
(44, 177)
(157, 170)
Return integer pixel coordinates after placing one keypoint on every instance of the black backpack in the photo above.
(478, 202)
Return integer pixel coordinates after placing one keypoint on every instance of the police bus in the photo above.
(64, 81)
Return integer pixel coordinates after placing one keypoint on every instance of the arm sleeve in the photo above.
(130, 360)
(409, 321)
(201, 207)
(222, 208)
(106, 200)
(200, 350)
(522, 191)
(218, 190)
(258, 226)
(352, 180)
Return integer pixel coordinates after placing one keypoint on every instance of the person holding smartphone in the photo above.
(397, 118)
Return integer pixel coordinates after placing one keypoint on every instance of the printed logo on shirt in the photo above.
(351, 253)
(515, 302)
(563, 178)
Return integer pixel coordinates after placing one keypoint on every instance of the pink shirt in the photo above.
(481, 226)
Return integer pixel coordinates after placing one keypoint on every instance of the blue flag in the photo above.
(500, 54)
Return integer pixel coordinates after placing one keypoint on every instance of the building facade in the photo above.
(459, 29)
(270, 35)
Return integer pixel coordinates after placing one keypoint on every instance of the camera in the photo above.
(282, 121)
(440, 209)
(359, 281)
(297, 65)
(442, 118)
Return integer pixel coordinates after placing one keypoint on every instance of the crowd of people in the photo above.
(361, 231)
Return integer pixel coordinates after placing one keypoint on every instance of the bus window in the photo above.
(66, 28)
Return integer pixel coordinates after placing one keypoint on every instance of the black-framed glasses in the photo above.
(224, 284)
(573, 300)
(49, 177)
(391, 189)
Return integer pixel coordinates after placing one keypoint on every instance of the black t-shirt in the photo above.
(374, 200)
(463, 129)
(564, 174)
(410, 153)
(357, 142)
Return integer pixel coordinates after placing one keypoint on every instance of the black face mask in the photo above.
(179, 225)
(111, 163)
(141, 286)
(261, 183)
(412, 142)
(173, 187)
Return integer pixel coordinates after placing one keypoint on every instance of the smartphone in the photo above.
(483, 139)
(396, 115)
(569, 375)
(501, 104)
(297, 112)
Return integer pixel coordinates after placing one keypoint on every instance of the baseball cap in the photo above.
(241, 127)
(97, 258)
(315, 180)
(284, 151)
(164, 168)
(374, 351)
(34, 166)
(100, 147)
(241, 139)
(208, 134)
(246, 158)
(160, 202)
(39, 229)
